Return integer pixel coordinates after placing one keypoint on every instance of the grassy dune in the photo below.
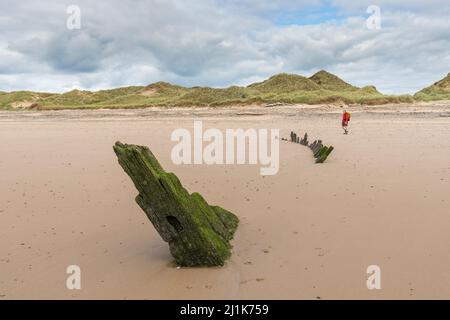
(438, 91)
(322, 87)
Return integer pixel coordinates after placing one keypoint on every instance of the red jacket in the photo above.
(345, 117)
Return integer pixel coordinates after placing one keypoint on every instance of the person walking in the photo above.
(345, 121)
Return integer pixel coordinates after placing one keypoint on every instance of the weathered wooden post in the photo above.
(320, 151)
(198, 234)
(324, 155)
(304, 141)
(318, 145)
(294, 136)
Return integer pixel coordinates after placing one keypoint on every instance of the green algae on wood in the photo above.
(198, 234)
(320, 151)
(323, 156)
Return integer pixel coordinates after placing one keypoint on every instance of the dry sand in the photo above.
(311, 231)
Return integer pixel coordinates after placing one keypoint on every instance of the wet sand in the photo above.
(308, 232)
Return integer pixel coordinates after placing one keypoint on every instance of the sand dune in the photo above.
(308, 232)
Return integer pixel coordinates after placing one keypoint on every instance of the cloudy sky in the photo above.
(221, 42)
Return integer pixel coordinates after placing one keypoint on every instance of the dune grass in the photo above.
(21, 99)
(322, 87)
(437, 91)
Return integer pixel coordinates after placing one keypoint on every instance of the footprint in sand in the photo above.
(411, 290)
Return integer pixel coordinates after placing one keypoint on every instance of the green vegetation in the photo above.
(21, 99)
(322, 87)
(79, 98)
(331, 82)
(285, 83)
(438, 91)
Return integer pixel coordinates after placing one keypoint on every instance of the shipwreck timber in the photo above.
(198, 234)
(320, 151)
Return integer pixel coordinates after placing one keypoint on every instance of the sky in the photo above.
(219, 43)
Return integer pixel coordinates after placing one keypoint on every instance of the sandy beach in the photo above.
(309, 232)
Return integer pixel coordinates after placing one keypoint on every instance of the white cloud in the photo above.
(218, 43)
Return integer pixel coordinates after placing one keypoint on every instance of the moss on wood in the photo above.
(323, 156)
(198, 234)
(320, 151)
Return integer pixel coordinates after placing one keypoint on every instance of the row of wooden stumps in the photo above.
(320, 151)
(198, 234)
